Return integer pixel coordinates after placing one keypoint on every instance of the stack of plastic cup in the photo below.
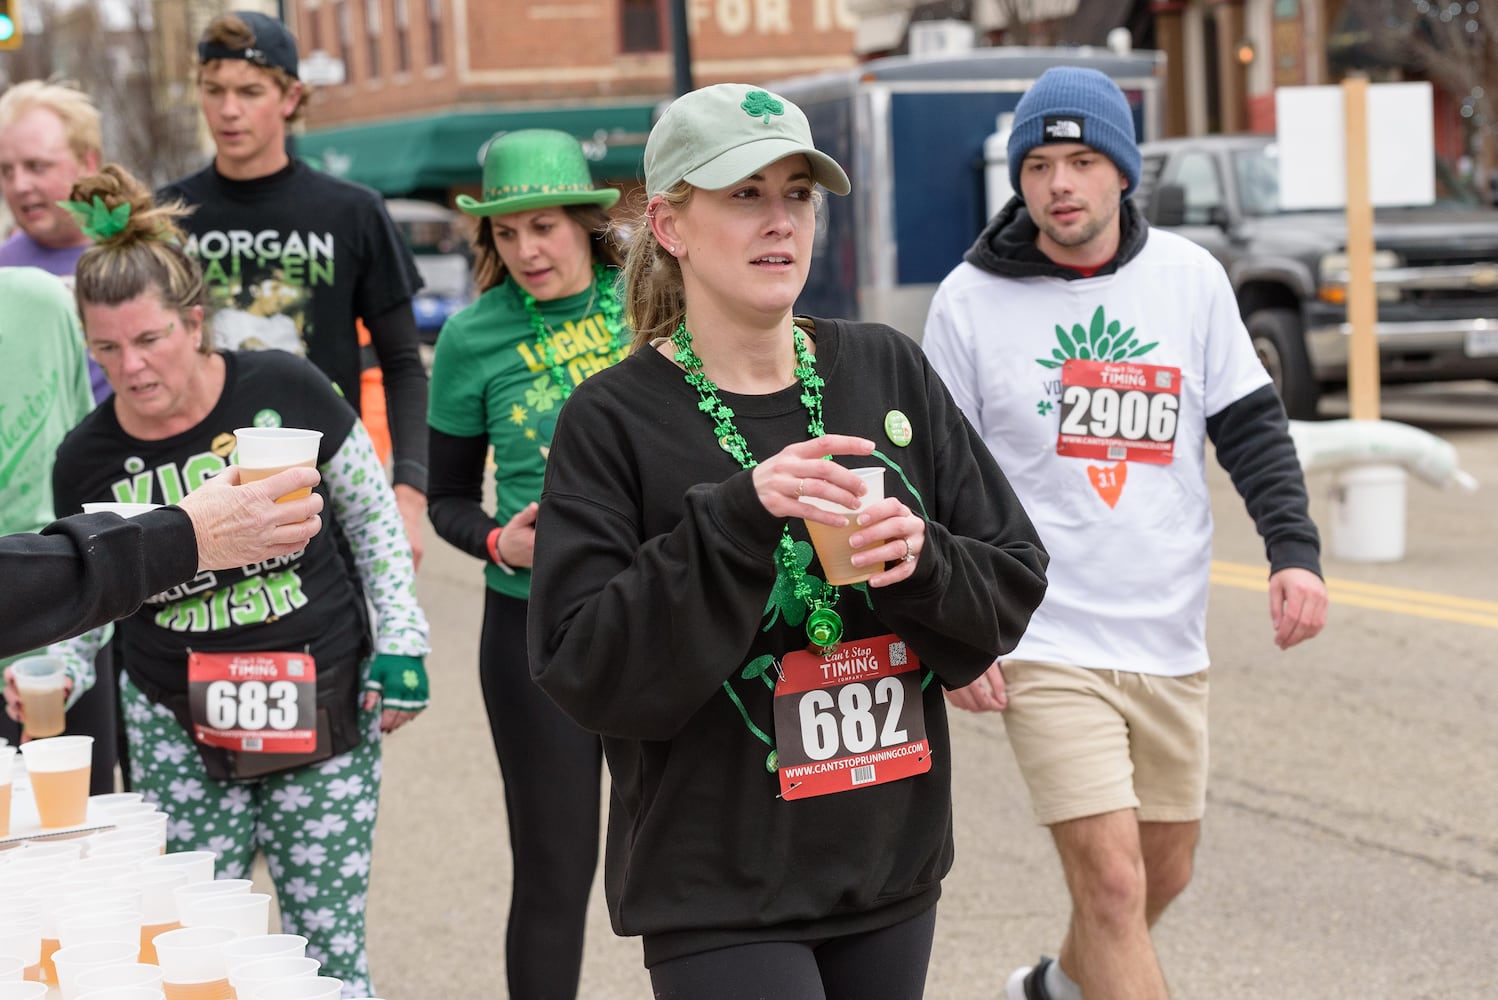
(21, 938)
(124, 993)
(192, 963)
(158, 903)
(76, 958)
(249, 977)
(117, 977)
(250, 950)
(197, 864)
(308, 988)
(12, 968)
(143, 820)
(188, 896)
(247, 914)
(23, 991)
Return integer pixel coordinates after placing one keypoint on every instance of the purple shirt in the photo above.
(23, 251)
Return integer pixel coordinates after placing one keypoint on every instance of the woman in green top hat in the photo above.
(547, 318)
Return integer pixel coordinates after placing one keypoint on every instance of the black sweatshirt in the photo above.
(85, 571)
(653, 587)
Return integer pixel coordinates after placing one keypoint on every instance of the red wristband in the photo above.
(492, 545)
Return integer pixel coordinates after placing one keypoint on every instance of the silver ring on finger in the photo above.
(909, 556)
(800, 483)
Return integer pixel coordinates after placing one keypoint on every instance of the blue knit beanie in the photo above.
(1071, 104)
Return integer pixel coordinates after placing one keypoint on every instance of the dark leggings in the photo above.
(888, 964)
(551, 769)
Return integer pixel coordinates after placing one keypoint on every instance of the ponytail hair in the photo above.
(654, 297)
(135, 251)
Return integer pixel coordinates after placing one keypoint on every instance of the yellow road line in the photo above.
(1417, 603)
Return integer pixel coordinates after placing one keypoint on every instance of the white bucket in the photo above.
(1368, 513)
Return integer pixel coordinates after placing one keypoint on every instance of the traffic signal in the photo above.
(10, 24)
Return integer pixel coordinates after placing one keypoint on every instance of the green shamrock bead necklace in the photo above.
(608, 304)
(824, 627)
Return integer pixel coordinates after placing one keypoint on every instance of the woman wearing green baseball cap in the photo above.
(782, 815)
(548, 317)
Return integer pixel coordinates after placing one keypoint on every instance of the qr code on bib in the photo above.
(897, 654)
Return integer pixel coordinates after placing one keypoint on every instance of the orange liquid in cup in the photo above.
(44, 711)
(49, 948)
(5, 809)
(148, 934)
(61, 796)
(218, 989)
(33, 974)
(255, 475)
(834, 553)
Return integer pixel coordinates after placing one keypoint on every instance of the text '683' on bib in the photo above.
(254, 702)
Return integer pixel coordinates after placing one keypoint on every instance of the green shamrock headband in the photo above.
(97, 220)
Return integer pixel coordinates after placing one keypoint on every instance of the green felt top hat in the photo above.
(535, 168)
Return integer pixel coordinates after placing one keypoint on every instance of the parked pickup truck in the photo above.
(1436, 269)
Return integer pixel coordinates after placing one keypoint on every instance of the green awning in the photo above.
(400, 155)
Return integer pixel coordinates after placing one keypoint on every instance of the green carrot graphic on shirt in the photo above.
(1102, 341)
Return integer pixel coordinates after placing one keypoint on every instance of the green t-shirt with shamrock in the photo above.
(489, 378)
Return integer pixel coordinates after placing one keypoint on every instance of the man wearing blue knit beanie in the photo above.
(1096, 357)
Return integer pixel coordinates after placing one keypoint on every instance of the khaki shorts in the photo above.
(1090, 742)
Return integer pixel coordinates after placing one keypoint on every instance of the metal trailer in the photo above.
(911, 134)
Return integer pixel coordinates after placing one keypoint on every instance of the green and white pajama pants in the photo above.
(315, 826)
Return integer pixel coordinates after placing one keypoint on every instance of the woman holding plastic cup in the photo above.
(254, 698)
(781, 818)
(546, 260)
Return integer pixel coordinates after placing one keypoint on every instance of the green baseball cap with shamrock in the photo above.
(718, 135)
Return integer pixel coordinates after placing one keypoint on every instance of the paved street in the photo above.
(1350, 849)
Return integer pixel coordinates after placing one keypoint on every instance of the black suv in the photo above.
(1436, 269)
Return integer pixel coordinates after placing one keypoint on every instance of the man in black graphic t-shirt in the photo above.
(293, 257)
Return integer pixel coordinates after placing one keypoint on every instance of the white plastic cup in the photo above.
(12, 968)
(124, 993)
(193, 957)
(86, 924)
(308, 988)
(141, 818)
(249, 950)
(101, 843)
(7, 772)
(116, 976)
(197, 864)
(158, 903)
(58, 769)
(248, 978)
(247, 914)
(76, 958)
(188, 896)
(129, 851)
(40, 682)
(265, 451)
(122, 509)
(114, 800)
(23, 991)
(831, 544)
(32, 849)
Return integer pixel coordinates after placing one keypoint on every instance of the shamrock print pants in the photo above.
(315, 826)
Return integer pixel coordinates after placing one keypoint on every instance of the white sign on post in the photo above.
(1309, 130)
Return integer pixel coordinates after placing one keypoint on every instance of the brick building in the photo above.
(426, 82)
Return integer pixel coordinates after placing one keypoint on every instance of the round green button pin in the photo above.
(897, 427)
